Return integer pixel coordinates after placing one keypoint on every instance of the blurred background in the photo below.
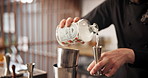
(27, 31)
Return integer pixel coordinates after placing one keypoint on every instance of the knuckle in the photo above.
(112, 61)
(100, 64)
(77, 18)
(69, 18)
(95, 69)
(116, 65)
(104, 54)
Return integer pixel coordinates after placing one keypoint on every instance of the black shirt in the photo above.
(131, 32)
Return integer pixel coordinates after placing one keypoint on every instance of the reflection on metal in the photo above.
(97, 52)
(97, 55)
(30, 67)
(67, 57)
(7, 59)
(70, 72)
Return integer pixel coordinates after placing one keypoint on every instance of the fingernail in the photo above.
(92, 72)
(88, 69)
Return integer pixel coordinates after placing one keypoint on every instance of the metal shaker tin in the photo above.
(70, 72)
(67, 57)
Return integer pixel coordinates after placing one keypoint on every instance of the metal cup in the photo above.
(7, 59)
(97, 55)
(30, 67)
(70, 72)
(67, 57)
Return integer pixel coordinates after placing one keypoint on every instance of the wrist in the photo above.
(131, 56)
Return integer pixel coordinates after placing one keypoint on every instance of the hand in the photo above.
(111, 61)
(67, 22)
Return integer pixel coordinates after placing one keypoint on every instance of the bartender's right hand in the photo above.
(67, 22)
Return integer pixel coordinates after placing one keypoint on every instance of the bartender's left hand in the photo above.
(111, 61)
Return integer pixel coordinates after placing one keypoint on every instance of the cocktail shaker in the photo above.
(69, 72)
(67, 63)
(67, 57)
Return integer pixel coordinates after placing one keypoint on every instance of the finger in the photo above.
(98, 66)
(68, 21)
(107, 68)
(91, 66)
(62, 23)
(111, 72)
(76, 19)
